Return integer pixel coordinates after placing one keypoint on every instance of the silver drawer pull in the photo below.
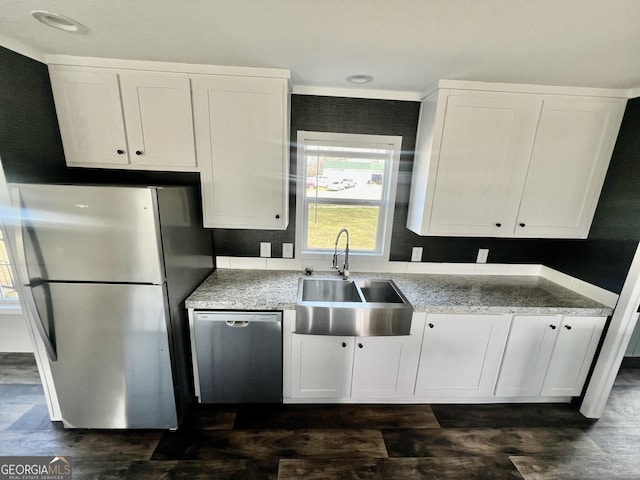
(236, 324)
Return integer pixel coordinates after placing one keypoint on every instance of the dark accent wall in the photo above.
(377, 117)
(30, 146)
(605, 257)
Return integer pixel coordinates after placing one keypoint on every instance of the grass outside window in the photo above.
(326, 220)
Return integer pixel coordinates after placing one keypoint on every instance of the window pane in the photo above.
(325, 221)
(7, 290)
(330, 177)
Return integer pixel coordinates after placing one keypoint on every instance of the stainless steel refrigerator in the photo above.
(105, 273)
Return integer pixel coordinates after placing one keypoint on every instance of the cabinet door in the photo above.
(527, 355)
(90, 116)
(569, 161)
(157, 110)
(461, 355)
(572, 355)
(477, 167)
(241, 133)
(321, 366)
(385, 367)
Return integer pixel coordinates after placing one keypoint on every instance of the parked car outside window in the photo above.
(335, 186)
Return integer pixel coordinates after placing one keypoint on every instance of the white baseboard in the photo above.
(431, 400)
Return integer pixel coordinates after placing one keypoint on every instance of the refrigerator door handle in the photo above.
(20, 246)
(23, 275)
(30, 302)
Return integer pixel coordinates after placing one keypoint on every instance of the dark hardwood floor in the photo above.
(382, 442)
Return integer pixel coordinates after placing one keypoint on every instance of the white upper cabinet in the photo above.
(124, 119)
(510, 163)
(157, 112)
(242, 136)
(90, 117)
(569, 160)
(471, 188)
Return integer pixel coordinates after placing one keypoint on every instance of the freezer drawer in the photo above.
(238, 356)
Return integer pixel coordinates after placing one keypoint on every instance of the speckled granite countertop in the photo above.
(276, 290)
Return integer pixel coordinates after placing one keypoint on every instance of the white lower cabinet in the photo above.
(461, 355)
(321, 366)
(385, 367)
(548, 355)
(577, 341)
(454, 358)
(354, 368)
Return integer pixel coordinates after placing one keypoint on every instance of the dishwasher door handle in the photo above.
(236, 323)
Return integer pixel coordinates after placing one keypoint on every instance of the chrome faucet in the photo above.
(344, 273)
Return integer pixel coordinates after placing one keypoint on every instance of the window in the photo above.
(8, 291)
(346, 181)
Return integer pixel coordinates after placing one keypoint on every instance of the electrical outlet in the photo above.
(287, 250)
(416, 254)
(483, 254)
(265, 249)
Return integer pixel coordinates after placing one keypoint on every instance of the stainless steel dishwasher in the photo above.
(238, 356)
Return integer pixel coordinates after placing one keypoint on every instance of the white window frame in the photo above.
(385, 223)
(8, 302)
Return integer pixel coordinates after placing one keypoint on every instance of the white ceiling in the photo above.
(407, 45)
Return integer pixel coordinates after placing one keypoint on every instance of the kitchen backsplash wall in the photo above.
(379, 117)
(604, 258)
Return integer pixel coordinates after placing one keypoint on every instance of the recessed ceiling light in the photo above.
(60, 22)
(359, 79)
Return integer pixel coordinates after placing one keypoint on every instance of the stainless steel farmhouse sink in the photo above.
(363, 307)
(329, 291)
